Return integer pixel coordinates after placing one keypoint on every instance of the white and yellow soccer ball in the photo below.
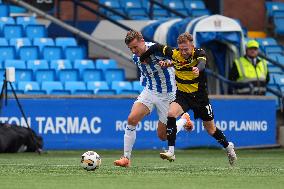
(90, 160)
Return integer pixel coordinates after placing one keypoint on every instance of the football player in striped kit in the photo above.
(159, 91)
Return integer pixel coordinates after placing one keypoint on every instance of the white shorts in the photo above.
(159, 100)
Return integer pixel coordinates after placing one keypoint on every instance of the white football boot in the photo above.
(232, 156)
(168, 156)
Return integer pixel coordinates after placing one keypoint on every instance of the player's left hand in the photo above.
(195, 71)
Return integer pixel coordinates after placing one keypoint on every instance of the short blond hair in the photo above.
(131, 35)
(184, 37)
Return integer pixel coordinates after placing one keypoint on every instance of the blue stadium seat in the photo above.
(279, 79)
(97, 85)
(42, 42)
(75, 53)
(274, 69)
(18, 64)
(273, 49)
(83, 92)
(19, 42)
(28, 85)
(129, 92)
(13, 31)
(37, 64)
(273, 6)
(26, 20)
(7, 53)
(137, 86)
(3, 42)
(49, 86)
(104, 92)
(36, 31)
(121, 85)
(14, 9)
(81, 65)
(28, 53)
(191, 4)
(266, 41)
(280, 59)
(60, 92)
(68, 75)
(74, 85)
(65, 41)
(36, 92)
(199, 12)
(279, 25)
(160, 14)
(138, 14)
(24, 75)
(52, 53)
(106, 64)
(6, 20)
(42, 75)
(60, 64)
(4, 10)
(111, 3)
(114, 75)
(92, 75)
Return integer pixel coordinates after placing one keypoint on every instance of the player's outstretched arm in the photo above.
(154, 48)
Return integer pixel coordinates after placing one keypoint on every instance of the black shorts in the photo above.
(199, 103)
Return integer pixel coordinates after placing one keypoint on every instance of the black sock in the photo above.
(220, 137)
(171, 131)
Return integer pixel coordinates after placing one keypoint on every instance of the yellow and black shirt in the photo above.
(186, 81)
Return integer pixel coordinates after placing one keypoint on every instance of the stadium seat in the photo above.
(199, 12)
(26, 20)
(74, 85)
(60, 64)
(49, 86)
(273, 49)
(18, 64)
(3, 42)
(114, 75)
(274, 69)
(65, 41)
(24, 75)
(45, 75)
(273, 6)
(97, 85)
(35, 31)
(191, 4)
(60, 92)
(92, 75)
(13, 31)
(83, 92)
(280, 59)
(106, 64)
(129, 92)
(6, 20)
(279, 79)
(4, 10)
(118, 86)
(52, 53)
(28, 53)
(28, 85)
(19, 42)
(104, 92)
(75, 53)
(37, 64)
(279, 25)
(42, 42)
(7, 53)
(68, 75)
(81, 65)
(137, 86)
(36, 92)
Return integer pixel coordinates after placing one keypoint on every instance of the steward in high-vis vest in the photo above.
(250, 69)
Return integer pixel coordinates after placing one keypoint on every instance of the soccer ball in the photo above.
(90, 160)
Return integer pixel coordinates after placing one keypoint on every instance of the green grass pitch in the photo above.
(195, 168)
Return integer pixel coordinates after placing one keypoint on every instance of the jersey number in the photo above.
(209, 110)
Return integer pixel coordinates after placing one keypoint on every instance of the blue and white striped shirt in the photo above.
(153, 76)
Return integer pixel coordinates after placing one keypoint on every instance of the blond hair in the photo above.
(131, 35)
(184, 37)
